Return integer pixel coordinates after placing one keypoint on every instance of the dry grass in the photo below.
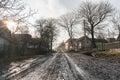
(111, 53)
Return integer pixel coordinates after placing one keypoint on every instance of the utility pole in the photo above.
(85, 46)
(84, 28)
(108, 33)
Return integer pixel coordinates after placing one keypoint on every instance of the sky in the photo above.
(56, 8)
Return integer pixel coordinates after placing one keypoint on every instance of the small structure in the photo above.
(71, 44)
(5, 36)
(100, 43)
(33, 43)
(111, 40)
(22, 39)
(84, 43)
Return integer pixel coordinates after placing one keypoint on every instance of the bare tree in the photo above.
(40, 26)
(10, 7)
(68, 22)
(16, 11)
(40, 30)
(52, 31)
(116, 23)
(47, 31)
(94, 14)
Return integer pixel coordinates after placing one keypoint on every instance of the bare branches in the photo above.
(47, 32)
(94, 15)
(116, 21)
(68, 21)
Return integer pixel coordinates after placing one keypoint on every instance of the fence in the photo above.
(113, 45)
(106, 46)
(11, 51)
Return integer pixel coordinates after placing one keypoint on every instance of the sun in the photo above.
(10, 24)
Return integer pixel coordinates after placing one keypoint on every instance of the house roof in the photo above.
(83, 37)
(101, 40)
(72, 40)
(34, 40)
(111, 39)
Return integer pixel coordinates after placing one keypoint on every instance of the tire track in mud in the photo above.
(84, 75)
(59, 67)
(39, 70)
(32, 68)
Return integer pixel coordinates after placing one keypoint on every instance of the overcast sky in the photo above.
(55, 8)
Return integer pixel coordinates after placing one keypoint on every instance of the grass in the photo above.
(112, 53)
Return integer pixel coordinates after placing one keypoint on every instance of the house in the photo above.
(111, 40)
(84, 43)
(22, 39)
(5, 36)
(78, 44)
(71, 44)
(100, 43)
(33, 43)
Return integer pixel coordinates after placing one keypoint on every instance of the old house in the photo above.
(71, 44)
(22, 39)
(33, 43)
(111, 40)
(100, 43)
(5, 36)
(78, 44)
(84, 43)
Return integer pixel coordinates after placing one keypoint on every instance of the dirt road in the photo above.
(59, 67)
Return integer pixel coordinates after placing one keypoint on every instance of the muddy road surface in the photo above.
(58, 67)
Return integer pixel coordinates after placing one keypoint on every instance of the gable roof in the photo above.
(72, 40)
(111, 39)
(83, 37)
(101, 40)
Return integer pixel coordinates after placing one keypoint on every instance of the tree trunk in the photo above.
(93, 39)
(71, 43)
(51, 44)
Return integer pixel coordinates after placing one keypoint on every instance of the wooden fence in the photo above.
(113, 45)
(106, 46)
